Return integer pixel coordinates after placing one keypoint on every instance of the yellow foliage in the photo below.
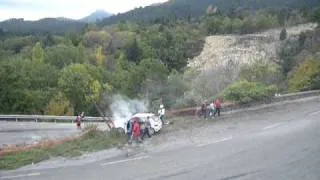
(59, 106)
(302, 78)
(99, 56)
(95, 91)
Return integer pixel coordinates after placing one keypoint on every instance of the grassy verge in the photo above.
(92, 141)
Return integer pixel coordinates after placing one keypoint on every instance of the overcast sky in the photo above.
(75, 9)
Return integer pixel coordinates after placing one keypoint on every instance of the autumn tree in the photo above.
(99, 56)
(81, 86)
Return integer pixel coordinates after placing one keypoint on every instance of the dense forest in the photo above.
(62, 72)
(42, 26)
(188, 9)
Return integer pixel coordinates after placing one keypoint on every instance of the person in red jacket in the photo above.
(136, 130)
(217, 105)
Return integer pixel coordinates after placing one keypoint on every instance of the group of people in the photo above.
(137, 130)
(213, 109)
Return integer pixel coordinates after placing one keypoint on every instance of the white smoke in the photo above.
(123, 108)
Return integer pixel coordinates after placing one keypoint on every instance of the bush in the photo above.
(244, 92)
(261, 71)
(184, 102)
(306, 76)
(91, 130)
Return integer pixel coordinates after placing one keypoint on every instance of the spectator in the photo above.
(217, 105)
(136, 130)
(129, 129)
(161, 113)
(145, 128)
(78, 121)
(203, 111)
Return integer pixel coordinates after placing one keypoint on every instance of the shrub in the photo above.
(184, 102)
(306, 76)
(91, 130)
(244, 92)
(261, 71)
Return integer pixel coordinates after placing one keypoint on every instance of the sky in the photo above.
(75, 9)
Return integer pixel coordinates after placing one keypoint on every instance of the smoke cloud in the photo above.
(123, 108)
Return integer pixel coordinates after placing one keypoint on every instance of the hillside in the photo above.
(52, 25)
(242, 48)
(97, 15)
(194, 8)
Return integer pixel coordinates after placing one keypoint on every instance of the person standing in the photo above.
(129, 129)
(78, 121)
(145, 128)
(212, 109)
(217, 105)
(162, 112)
(136, 130)
(203, 110)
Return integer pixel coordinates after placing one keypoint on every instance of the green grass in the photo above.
(94, 140)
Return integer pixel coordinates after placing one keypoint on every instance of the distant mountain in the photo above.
(45, 25)
(195, 8)
(97, 15)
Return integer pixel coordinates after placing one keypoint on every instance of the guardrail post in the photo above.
(36, 120)
(16, 119)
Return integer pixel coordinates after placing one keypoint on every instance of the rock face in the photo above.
(218, 50)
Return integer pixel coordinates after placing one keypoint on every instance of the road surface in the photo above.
(29, 132)
(280, 143)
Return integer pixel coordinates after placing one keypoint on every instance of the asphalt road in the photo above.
(28, 132)
(279, 143)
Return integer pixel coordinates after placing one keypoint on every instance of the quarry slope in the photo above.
(219, 49)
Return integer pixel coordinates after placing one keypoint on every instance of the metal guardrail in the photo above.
(43, 118)
(232, 106)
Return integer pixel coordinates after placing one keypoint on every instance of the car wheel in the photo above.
(151, 131)
(121, 130)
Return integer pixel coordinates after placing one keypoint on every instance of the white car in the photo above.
(155, 122)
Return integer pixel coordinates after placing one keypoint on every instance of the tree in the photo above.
(287, 51)
(315, 17)
(37, 53)
(283, 34)
(59, 106)
(133, 51)
(81, 86)
(26, 86)
(62, 55)
(48, 41)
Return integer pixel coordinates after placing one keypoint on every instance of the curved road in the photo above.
(279, 143)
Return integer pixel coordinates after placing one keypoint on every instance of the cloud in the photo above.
(36, 9)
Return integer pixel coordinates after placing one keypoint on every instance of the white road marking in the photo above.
(20, 176)
(272, 126)
(214, 142)
(125, 160)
